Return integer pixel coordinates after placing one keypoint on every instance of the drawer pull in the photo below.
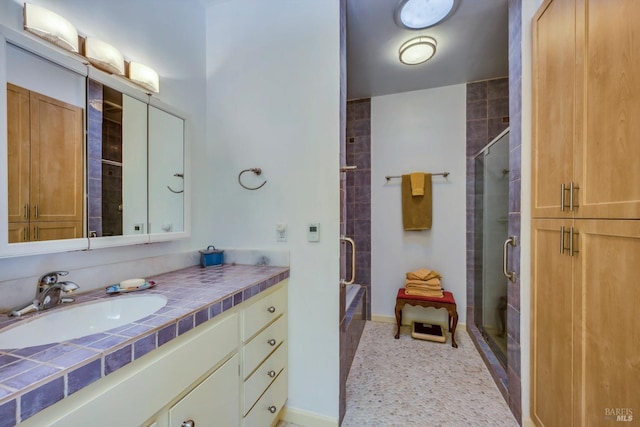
(271, 342)
(271, 373)
(188, 423)
(272, 409)
(271, 309)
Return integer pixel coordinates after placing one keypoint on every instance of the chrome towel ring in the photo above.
(179, 175)
(257, 171)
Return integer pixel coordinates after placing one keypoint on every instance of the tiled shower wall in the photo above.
(487, 116)
(475, 130)
(358, 191)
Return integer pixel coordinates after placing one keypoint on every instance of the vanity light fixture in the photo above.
(417, 50)
(144, 76)
(104, 56)
(420, 14)
(51, 27)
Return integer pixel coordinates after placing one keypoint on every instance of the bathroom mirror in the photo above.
(123, 183)
(45, 106)
(166, 172)
(116, 162)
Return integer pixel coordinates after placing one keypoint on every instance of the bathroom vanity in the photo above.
(216, 352)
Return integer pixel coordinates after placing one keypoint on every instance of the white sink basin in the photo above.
(80, 320)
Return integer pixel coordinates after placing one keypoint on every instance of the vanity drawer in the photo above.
(263, 344)
(266, 410)
(263, 312)
(258, 382)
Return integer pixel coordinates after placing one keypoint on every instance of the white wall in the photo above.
(418, 131)
(169, 37)
(273, 71)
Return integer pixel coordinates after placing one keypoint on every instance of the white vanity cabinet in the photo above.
(215, 398)
(264, 359)
(230, 371)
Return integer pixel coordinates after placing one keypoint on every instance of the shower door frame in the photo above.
(479, 273)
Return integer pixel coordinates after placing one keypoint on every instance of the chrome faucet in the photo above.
(48, 294)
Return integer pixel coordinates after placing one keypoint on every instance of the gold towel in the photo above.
(437, 294)
(423, 274)
(417, 184)
(433, 284)
(416, 211)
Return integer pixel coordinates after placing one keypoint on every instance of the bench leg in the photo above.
(453, 322)
(398, 318)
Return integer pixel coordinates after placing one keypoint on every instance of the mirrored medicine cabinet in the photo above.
(91, 160)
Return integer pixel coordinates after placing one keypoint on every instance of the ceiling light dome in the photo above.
(417, 50)
(419, 14)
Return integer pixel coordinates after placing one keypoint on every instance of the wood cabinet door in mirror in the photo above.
(45, 166)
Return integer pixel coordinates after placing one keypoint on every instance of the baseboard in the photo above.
(528, 422)
(306, 418)
(392, 319)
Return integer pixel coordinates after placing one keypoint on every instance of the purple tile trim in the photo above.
(237, 298)
(79, 355)
(215, 309)
(185, 325)
(28, 351)
(42, 397)
(144, 346)
(108, 342)
(5, 359)
(15, 368)
(166, 334)
(201, 316)
(83, 376)
(227, 303)
(117, 359)
(8, 414)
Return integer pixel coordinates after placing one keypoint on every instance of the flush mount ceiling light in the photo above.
(144, 76)
(50, 26)
(420, 14)
(417, 50)
(104, 56)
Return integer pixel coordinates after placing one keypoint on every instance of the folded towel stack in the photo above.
(424, 283)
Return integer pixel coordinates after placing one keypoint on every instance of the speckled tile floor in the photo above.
(409, 382)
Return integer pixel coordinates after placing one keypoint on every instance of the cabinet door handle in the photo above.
(35, 233)
(572, 187)
(271, 373)
(26, 211)
(35, 211)
(26, 234)
(188, 423)
(271, 309)
(562, 233)
(272, 409)
(271, 342)
(572, 252)
(562, 190)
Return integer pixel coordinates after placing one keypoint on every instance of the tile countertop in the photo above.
(33, 378)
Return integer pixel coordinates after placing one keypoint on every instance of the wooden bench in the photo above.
(447, 302)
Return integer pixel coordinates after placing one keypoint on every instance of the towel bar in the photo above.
(444, 174)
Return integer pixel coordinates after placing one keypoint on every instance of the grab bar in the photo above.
(344, 282)
(511, 275)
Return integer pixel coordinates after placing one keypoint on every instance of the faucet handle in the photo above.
(51, 278)
(67, 286)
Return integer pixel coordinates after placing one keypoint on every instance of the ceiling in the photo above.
(472, 45)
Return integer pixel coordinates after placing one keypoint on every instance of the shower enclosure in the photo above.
(491, 221)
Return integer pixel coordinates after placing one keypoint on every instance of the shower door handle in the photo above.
(344, 282)
(511, 275)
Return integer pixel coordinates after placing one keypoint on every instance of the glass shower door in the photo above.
(492, 194)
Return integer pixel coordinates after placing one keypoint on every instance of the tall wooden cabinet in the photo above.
(586, 212)
(45, 167)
